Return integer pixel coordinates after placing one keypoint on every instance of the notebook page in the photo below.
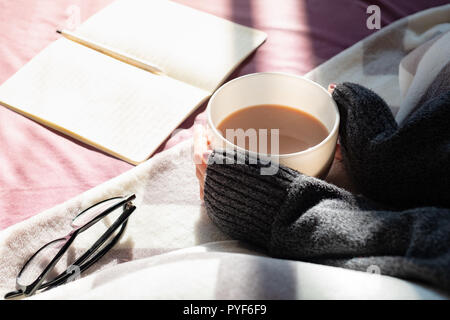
(189, 45)
(110, 105)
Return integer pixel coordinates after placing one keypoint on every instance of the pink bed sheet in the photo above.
(40, 168)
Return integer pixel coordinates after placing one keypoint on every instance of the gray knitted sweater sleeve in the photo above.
(295, 216)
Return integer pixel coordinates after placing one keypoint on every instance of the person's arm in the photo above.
(403, 165)
(296, 216)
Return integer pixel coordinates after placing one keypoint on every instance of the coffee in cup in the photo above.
(301, 112)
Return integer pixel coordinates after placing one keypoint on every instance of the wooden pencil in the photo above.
(112, 53)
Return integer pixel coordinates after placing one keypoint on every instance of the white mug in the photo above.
(280, 89)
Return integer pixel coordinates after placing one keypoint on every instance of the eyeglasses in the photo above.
(36, 272)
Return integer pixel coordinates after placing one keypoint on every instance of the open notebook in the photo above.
(119, 108)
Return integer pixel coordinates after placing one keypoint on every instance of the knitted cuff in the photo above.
(240, 199)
